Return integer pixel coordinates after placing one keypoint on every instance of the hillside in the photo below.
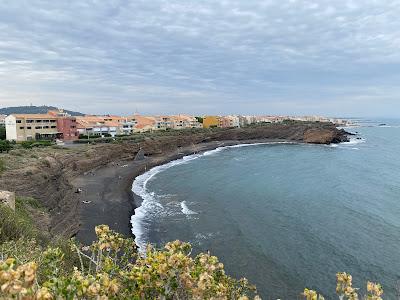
(33, 110)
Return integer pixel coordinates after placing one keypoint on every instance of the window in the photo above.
(29, 127)
(45, 127)
(73, 126)
(38, 127)
(19, 121)
(52, 121)
(38, 121)
(22, 127)
(29, 121)
(46, 121)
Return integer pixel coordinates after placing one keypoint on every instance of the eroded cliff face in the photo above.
(48, 177)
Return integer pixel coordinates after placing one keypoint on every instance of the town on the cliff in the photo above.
(58, 125)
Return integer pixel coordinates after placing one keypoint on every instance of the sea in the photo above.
(285, 216)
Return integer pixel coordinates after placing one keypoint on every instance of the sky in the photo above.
(336, 58)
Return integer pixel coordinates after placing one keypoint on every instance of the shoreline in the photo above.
(107, 196)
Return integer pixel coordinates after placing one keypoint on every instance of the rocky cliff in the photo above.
(47, 174)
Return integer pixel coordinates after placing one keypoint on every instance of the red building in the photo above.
(66, 125)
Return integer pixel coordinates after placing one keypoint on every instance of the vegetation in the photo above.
(140, 137)
(2, 132)
(5, 146)
(111, 268)
(32, 267)
(2, 166)
(18, 224)
(33, 144)
(33, 110)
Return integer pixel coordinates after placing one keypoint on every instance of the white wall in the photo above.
(11, 128)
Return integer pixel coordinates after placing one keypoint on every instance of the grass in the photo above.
(18, 224)
(2, 166)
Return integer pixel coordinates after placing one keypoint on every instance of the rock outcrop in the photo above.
(8, 199)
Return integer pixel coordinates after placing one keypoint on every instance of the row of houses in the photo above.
(57, 124)
(62, 126)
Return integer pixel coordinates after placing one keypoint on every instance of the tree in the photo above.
(5, 146)
(2, 133)
(199, 119)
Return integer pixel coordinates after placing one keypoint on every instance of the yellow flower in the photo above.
(43, 294)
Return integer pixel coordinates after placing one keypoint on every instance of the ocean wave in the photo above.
(351, 142)
(186, 210)
(150, 205)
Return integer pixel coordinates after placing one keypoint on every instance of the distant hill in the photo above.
(33, 110)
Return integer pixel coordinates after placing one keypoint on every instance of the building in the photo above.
(128, 127)
(3, 120)
(229, 122)
(246, 120)
(98, 126)
(211, 121)
(145, 123)
(28, 127)
(164, 122)
(66, 125)
(185, 121)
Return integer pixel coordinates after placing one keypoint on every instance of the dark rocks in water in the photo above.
(383, 124)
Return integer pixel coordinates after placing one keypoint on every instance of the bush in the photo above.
(92, 136)
(2, 166)
(93, 141)
(5, 146)
(112, 269)
(18, 224)
(33, 144)
(2, 132)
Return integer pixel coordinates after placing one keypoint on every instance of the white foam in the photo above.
(186, 210)
(150, 205)
(350, 144)
(354, 141)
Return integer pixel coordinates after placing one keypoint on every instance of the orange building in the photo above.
(210, 121)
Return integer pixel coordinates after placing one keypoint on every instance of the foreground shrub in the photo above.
(111, 268)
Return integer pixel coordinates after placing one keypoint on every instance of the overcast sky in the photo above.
(325, 57)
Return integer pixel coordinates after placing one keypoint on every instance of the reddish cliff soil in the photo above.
(47, 174)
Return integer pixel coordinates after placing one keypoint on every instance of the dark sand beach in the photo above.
(107, 196)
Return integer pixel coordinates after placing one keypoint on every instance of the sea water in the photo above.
(285, 216)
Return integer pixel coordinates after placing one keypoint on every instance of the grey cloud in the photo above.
(200, 56)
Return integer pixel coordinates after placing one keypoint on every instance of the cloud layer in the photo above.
(167, 56)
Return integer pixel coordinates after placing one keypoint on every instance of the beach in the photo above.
(107, 196)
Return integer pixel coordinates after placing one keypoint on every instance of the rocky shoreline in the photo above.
(105, 173)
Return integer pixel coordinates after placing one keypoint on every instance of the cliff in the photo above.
(46, 174)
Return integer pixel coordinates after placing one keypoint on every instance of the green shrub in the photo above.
(18, 224)
(5, 146)
(2, 132)
(2, 166)
(112, 269)
(33, 144)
